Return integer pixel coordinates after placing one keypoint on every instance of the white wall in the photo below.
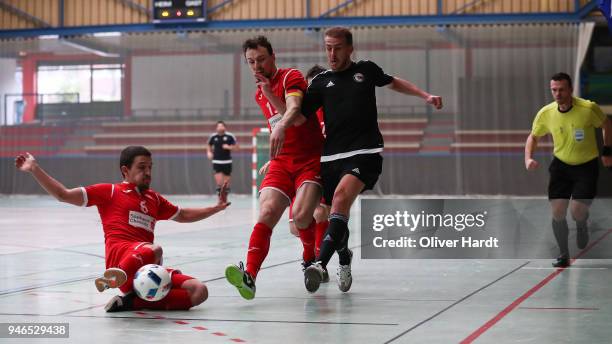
(183, 82)
(10, 82)
(199, 81)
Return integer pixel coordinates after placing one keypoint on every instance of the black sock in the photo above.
(344, 256)
(333, 238)
(561, 232)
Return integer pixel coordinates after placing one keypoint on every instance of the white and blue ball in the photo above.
(152, 282)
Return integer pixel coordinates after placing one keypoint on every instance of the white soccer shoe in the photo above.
(345, 279)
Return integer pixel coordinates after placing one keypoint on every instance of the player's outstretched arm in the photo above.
(530, 146)
(406, 87)
(196, 214)
(292, 116)
(27, 163)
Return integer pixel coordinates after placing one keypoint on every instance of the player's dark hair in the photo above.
(313, 71)
(340, 32)
(258, 41)
(129, 154)
(562, 76)
(220, 122)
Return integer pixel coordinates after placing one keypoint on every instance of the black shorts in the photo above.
(366, 167)
(578, 182)
(223, 168)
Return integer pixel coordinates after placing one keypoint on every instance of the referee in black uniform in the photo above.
(219, 150)
(351, 160)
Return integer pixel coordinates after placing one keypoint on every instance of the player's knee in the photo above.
(157, 251)
(198, 292)
(559, 211)
(268, 213)
(579, 213)
(342, 200)
(301, 218)
(293, 229)
(199, 295)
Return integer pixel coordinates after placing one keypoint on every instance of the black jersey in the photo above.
(348, 99)
(220, 155)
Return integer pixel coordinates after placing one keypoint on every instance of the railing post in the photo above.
(60, 13)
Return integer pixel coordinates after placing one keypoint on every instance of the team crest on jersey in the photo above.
(358, 77)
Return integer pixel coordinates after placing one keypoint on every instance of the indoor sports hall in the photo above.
(82, 80)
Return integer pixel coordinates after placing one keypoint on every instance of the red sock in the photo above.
(307, 236)
(132, 262)
(319, 233)
(177, 300)
(258, 248)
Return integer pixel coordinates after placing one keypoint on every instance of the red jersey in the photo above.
(126, 213)
(303, 139)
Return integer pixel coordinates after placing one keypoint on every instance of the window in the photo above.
(80, 83)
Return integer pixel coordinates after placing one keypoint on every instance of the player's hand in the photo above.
(531, 164)
(276, 139)
(222, 203)
(607, 161)
(226, 146)
(25, 162)
(436, 101)
(264, 83)
(209, 155)
(264, 169)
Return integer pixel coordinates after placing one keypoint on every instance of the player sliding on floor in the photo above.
(129, 211)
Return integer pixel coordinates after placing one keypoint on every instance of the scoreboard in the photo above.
(177, 11)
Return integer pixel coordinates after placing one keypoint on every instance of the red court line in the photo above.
(561, 308)
(526, 295)
(183, 322)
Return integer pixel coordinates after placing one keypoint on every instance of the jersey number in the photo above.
(143, 207)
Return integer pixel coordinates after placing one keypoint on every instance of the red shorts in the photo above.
(286, 175)
(119, 250)
(116, 251)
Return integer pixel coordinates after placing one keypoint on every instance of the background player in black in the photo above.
(219, 150)
(351, 160)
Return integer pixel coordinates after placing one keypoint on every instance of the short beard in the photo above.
(143, 187)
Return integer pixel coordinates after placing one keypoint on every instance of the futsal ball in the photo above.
(152, 282)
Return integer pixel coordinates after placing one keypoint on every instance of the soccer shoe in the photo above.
(561, 262)
(120, 303)
(313, 275)
(325, 277)
(582, 237)
(113, 278)
(345, 279)
(241, 279)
